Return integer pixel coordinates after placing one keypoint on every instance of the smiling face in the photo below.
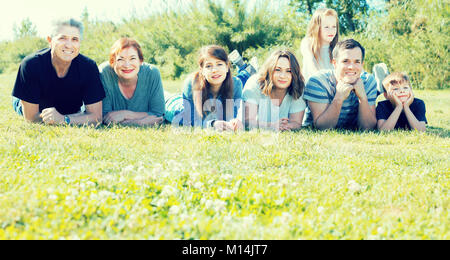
(65, 45)
(282, 75)
(348, 65)
(403, 92)
(328, 29)
(214, 70)
(127, 64)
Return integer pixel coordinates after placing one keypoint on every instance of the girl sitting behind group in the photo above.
(211, 96)
(321, 37)
(273, 97)
(134, 92)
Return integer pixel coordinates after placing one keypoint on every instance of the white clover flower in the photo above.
(219, 205)
(284, 182)
(286, 215)
(168, 191)
(69, 200)
(194, 175)
(320, 210)
(141, 168)
(228, 219)
(257, 197)
(198, 185)
(140, 179)
(283, 219)
(184, 217)
(208, 204)
(279, 201)
(269, 140)
(128, 169)
(227, 177)
(225, 193)
(161, 202)
(157, 169)
(248, 220)
(104, 194)
(353, 186)
(174, 210)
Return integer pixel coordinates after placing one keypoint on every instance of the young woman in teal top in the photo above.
(273, 97)
(134, 92)
(211, 96)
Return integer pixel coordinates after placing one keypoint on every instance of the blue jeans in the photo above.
(243, 75)
(17, 106)
(174, 106)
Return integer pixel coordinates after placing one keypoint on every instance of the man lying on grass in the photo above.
(52, 84)
(343, 97)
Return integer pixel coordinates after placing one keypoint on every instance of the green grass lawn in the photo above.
(176, 183)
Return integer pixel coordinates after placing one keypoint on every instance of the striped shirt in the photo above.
(321, 88)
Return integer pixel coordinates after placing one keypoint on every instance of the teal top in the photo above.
(148, 96)
(267, 111)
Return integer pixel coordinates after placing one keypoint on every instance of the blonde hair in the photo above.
(395, 79)
(313, 31)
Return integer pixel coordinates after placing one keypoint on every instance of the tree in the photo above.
(26, 29)
(305, 6)
(241, 29)
(352, 13)
(85, 18)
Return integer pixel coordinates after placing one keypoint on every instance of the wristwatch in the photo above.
(67, 120)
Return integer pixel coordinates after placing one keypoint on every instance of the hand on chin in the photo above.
(350, 80)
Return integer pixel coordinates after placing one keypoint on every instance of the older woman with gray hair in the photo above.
(54, 83)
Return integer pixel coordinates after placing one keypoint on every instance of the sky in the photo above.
(43, 12)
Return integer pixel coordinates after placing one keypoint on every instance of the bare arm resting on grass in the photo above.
(51, 116)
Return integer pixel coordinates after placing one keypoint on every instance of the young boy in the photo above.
(401, 109)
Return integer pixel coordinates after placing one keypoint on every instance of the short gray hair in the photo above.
(56, 25)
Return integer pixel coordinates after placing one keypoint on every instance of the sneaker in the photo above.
(380, 72)
(254, 63)
(236, 59)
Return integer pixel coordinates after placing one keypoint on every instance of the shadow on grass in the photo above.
(438, 131)
(431, 130)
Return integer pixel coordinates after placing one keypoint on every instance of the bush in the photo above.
(410, 36)
(413, 37)
(15, 52)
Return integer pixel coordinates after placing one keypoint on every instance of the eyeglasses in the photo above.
(122, 62)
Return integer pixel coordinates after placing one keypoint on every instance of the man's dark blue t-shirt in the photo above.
(38, 83)
(417, 107)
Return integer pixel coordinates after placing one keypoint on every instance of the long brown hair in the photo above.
(266, 74)
(201, 85)
(314, 27)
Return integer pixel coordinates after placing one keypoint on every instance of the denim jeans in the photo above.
(243, 75)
